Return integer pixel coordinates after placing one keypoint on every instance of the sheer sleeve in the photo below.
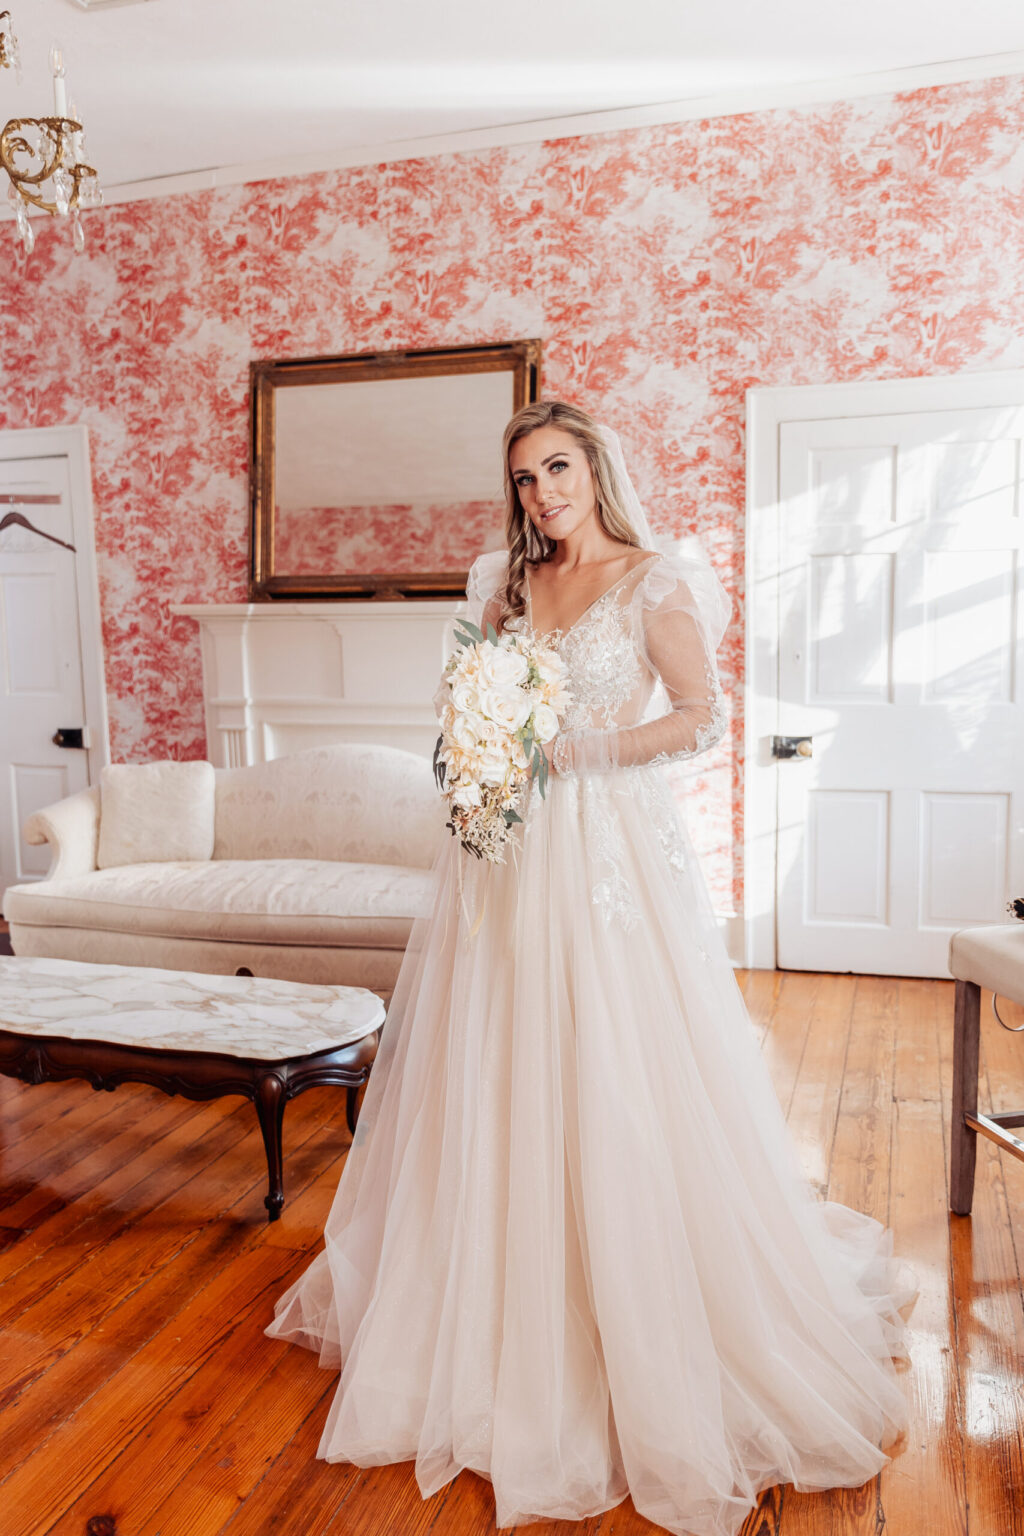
(486, 575)
(480, 605)
(683, 611)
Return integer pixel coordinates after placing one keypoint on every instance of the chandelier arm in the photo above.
(11, 143)
(56, 131)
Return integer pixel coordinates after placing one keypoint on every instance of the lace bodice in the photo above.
(641, 671)
(645, 690)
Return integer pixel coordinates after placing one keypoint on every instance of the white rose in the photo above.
(545, 722)
(466, 694)
(493, 766)
(466, 730)
(466, 796)
(508, 707)
(501, 666)
(489, 733)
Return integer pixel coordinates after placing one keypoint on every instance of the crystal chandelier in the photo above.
(44, 157)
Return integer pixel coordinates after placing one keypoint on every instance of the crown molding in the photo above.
(721, 104)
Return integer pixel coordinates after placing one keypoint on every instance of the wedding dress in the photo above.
(572, 1248)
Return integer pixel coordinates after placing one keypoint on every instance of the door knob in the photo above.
(69, 736)
(792, 746)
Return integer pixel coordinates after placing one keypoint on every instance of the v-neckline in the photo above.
(543, 635)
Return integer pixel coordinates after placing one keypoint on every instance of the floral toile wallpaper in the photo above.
(666, 269)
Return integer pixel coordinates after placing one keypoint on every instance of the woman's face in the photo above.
(556, 487)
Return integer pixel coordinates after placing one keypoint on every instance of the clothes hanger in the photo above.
(10, 518)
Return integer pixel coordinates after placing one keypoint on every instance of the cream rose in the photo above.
(508, 706)
(466, 695)
(545, 722)
(502, 666)
(465, 796)
(490, 733)
(493, 766)
(467, 730)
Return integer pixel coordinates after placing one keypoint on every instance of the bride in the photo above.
(572, 1248)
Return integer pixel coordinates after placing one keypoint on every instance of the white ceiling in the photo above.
(167, 87)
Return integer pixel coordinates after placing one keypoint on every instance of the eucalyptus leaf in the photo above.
(438, 765)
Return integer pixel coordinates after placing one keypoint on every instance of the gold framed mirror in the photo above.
(379, 474)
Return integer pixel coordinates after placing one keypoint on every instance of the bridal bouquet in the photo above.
(505, 698)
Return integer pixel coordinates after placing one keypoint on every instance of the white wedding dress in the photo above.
(572, 1248)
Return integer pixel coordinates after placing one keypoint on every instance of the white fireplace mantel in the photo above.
(281, 676)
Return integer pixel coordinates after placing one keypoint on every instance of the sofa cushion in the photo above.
(154, 811)
(354, 802)
(274, 901)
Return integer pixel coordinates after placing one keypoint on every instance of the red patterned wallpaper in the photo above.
(667, 269)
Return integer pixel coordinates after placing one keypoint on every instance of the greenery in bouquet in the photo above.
(506, 697)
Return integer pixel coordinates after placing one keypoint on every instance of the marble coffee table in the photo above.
(189, 1033)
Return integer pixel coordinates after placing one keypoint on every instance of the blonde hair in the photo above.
(525, 542)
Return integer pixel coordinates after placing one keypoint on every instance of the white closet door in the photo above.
(40, 662)
(901, 655)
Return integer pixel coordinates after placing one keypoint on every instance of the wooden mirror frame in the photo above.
(521, 358)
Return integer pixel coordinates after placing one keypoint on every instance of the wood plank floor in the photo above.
(140, 1397)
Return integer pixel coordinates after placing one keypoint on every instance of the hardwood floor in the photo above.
(140, 1397)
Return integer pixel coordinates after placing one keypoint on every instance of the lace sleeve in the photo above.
(481, 603)
(683, 611)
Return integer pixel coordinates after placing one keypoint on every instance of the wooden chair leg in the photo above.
(963, 1139)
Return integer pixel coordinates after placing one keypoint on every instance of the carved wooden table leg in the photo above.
(270, 1102)
(198, 1075)
(964, 1138)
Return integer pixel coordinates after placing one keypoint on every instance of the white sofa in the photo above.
(321, 861)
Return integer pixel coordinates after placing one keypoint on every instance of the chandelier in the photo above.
(44, 157)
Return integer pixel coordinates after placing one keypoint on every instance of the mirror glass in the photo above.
(390, 474)
(380, 474)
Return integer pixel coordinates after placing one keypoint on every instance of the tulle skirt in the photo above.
(572, 1248)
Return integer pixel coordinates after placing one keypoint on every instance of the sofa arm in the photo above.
(72, 827)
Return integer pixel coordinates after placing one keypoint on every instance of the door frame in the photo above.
(72, 443)
(767, 408)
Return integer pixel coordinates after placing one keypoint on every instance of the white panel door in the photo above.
(40, 662)
(901, 655)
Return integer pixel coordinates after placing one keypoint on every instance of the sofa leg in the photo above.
(963, 1138)
(352, 1107)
